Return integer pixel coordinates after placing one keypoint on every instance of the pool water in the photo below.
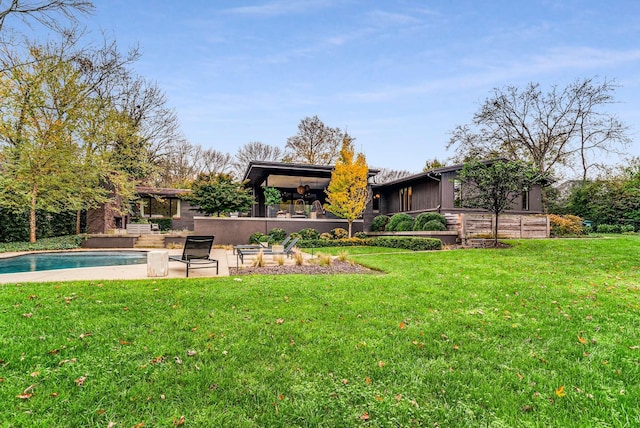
(34, 262)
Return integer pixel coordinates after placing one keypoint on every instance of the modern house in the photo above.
(155, 205)
(302, 188)
(439, 190)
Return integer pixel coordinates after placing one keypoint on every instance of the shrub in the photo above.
(400, 222)
(627, 228)
(316, 243)
(608, 228)
(569, 225)
(257, 237)
(433, 225)
(295, 235)
(406, 242)
(361, 235)
(277, 234)
(55, 243)
(326, 235)
(428, 218)
(309, 233)
(379, 223)
(163, 223)
(339, 233)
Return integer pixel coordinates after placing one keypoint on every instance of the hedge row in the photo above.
(57, 243)
(403, 242)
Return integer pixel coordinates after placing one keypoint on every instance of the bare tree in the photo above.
(315, 143)
(386, 175)
(551, 129)
(214, 162)
(46, 13)
(255, 151)
(185, 161)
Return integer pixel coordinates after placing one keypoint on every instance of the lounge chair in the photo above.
(259, 245)
(196, 253)
(286, 251)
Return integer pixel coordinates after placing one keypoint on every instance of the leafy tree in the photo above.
(315, 143)
(433, 164)
(61, 140)
(614, 199)
(219, 194)
(563, 127)
(42, 104)
(348, 190)
(272, 196)
(494, 186)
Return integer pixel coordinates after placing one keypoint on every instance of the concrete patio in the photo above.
(226, 259)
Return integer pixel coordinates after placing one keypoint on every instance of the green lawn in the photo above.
(546, 333)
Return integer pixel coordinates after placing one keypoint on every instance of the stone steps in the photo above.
(149, 241)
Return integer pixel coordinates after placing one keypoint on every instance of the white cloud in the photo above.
(281, 7)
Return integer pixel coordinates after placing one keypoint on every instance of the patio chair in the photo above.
(261, 244)
(196, 253)
(286, 251)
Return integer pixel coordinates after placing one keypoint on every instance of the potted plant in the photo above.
(272, 197)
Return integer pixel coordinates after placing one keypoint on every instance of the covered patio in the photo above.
(302, 187)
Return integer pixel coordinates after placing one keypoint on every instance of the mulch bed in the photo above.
(336, 267)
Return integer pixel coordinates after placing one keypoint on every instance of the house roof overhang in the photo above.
(143, 191)
(289, 175)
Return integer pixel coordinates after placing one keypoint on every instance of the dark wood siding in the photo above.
(446, 189)
(425, 196)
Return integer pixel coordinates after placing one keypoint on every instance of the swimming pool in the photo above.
(34, 262)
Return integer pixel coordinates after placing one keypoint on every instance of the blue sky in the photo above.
(399, 75)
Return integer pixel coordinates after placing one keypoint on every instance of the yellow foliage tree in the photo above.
(348, 190)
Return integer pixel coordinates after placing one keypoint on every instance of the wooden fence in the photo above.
(513, 226)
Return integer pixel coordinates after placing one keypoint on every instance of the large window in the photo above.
(457, 193)
(157, 208)
(406, 196)
(525, 200)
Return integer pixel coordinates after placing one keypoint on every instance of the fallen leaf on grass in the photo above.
(191, 353)
(179, 422)
(26, 394)
(367, 380)
(365, 416)
(402, 326)
(63, 362)
(29, 315)
(560, 391)
(279, 321)
(582, 340)
(81, 380)
(381, 364)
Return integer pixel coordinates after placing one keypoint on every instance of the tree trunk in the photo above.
(350, 221)
(78, 216)
(495, 233)
(32, 215)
